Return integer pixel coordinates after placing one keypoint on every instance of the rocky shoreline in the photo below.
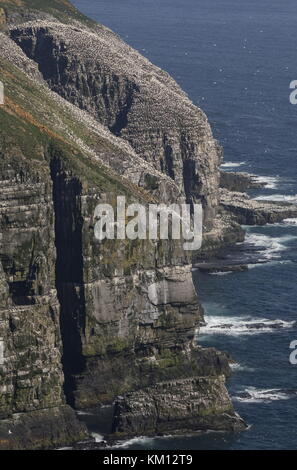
(245, 211)
(237, 181)
(249, 211)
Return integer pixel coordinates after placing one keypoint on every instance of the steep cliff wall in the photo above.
(32, 405)
(93, 69)
(96, 320)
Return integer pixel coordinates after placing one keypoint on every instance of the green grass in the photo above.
(33, 122)
(61, 9)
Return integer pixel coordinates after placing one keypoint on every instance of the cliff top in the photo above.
(60, 9)
(44, 5)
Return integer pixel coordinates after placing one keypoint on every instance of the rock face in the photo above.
(96, 71)
(239, 181)
(31, 375)
(85, 119)
(183, 404)
(249, 211)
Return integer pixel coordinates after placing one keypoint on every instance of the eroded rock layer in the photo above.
(249, 211)
(183, 405)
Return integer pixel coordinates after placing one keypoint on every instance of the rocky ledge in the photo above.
(191, 405)
(41, 429)
(249, 211)
(239, 181)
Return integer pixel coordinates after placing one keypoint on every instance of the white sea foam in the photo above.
(290, 221)
(270, 182)
(134, 440)
(269, 247)
(84, 413)
(269, 263)
(241, 368)
(232, 164)
(221, 273)
(235, 326)
(285, 223)
(97, 437)
(254, 395)
(278, 198)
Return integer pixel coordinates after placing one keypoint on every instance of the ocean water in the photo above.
(236, 60)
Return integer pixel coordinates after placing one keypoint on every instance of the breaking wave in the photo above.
(290, 221)
(278, 198)
(270, 182)
(134, 440)
(242, 325)
(254, 395)
(269, 247)
(232, 164)
(84, 413)
(97, 437)
(221, 273)
(236, 367)
(270, 263)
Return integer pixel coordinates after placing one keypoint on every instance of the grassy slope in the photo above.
(29, 132)
(61, 9)
(31, 120)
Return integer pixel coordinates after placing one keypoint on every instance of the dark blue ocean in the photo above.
(236, 60)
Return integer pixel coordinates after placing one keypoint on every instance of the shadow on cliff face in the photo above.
(107, 96)
(69, 270)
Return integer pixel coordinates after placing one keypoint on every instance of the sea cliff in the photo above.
(83, 323)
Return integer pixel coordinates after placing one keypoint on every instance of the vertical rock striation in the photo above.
(32, 407)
